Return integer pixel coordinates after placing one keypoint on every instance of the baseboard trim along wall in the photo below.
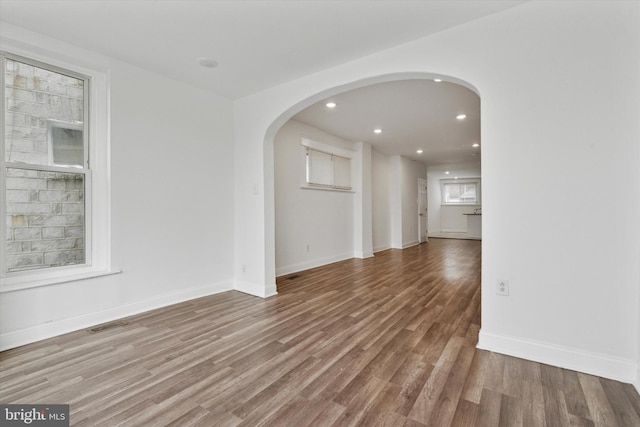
(363, 255)
(312, 263)
(602, 365)
(409, 244)
(60, 327)
(377, 249)
(255, 289)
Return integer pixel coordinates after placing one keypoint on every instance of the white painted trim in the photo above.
(363, 255)
(602, 365)
(326, 148)
(50, 278)
(409, 244)
(49, 330)
(32, 46)
(255, 289)
(381, 248)
(453, 230)
(636, 382)
(313, 263)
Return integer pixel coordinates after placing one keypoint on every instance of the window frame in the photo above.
(97, 194)
(335, 152)
(461, 181)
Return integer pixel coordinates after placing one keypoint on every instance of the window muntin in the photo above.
(45, 175)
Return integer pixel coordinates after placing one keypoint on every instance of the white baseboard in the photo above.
(255, 289)
(53, 329)
(363, 255)
(636, 383)
(313, 263)
(409, 244)
(405, 245)
(602, 365)
(381, 248)
(454, 230)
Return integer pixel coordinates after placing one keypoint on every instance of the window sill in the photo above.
(10, 284)
(341, 190)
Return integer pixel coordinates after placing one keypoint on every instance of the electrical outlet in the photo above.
(244, 268)
(502, 287)
(307, 248)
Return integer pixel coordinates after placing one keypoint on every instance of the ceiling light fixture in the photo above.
(461, 116)
(447, 172)
(419, 151)
(437, 80)
(331, 104)
(455, 177)
(207, 62)
(377, 130)
(475, 145)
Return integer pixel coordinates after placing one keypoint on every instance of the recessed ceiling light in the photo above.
(207, 62)
(475, 145)
(455, 177)
(461, 116)
(377, 130)
(419, 151)
(447, 172)
(437, 80)
(331, 104)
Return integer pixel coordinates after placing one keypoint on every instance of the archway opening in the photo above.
(308, 246)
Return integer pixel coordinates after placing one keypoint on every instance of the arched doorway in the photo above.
(276, 125)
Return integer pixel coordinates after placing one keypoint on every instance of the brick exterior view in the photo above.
(45, 215)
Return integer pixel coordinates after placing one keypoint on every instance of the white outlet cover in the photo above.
(502, 287)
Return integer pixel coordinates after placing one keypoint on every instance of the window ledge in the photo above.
(10, 284)
(311, 187)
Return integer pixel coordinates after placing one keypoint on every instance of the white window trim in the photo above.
(308, 143)
(475, 181)
(98, 218)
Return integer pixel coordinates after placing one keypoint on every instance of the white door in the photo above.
(422, 210)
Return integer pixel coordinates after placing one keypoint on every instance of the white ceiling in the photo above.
(413, 114)
(260, 44)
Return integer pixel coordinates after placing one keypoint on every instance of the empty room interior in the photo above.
(403, 213)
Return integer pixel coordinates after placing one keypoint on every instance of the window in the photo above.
(460, 192)
(46, 178)
(326, 166)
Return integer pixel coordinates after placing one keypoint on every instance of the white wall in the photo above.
(380, 201)
(172, 203)
(320, 220)
(363, 204)
(411, 171)
(395, 199)
(403, 197)
(448, 218)
(548, 74)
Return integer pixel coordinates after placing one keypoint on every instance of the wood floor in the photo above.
(384, 341)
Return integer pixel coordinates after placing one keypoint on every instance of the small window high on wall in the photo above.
(460, 192)
(324, 168)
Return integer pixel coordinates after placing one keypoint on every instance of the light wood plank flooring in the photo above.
(386, 341)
